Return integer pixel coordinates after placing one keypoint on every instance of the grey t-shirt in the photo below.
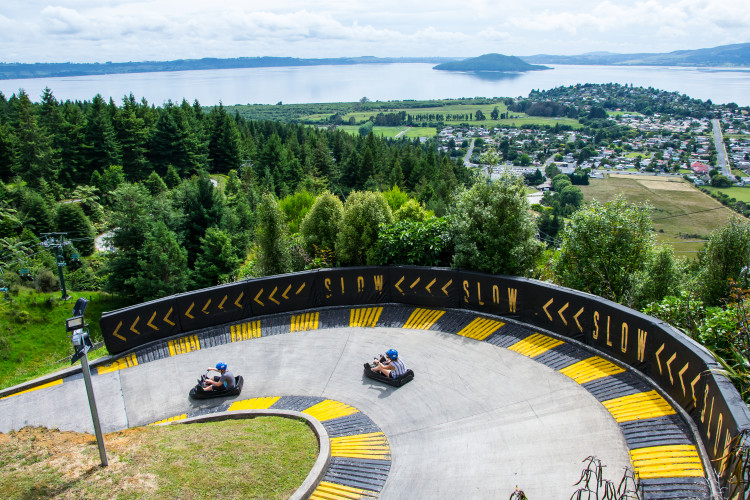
(227, 379)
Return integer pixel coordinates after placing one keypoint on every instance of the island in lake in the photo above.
(498, 63)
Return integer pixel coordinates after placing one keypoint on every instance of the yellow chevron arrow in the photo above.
(561, 311)
(237, 302)
(286, 292)
(187, 313)
(206, 307)
(398, 283)
(430, 285)
(221, 304)
(258, 301)
(150, 322)
(415, 283)
(270, 297)
(300, 289)
(445, 288)
(576, 318)
(132, 327)
(545, 309)
(117, 330)
(166, 317)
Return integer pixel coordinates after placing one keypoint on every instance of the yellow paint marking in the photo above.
(206, 307)
(245, 331)
(171, 419)
(398, 283)
(658, 361)
(150, 322)
(415, 283)
(372, 446)
(304, 322)
(132, 327)
(334, 491)
(117, 330)
(285, 294)
(239, 297)
(166, 317)
(187, 313)
(330, 409)
(365, 316)
(184, 345)
(638, 406)
(221, 304)
(445, 288)
(430, 285)
(254, 404)
(545, 309)
(682, 382)
(257, 297)
(423, 319)
(534, 345)
(119, 364)
(43, 386)
(302, 287)
(561, 311)
(667, 461)
(270, 297)
(576, 318)
(590, 369)
(480, 328)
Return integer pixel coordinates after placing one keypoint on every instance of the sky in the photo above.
(158, 30)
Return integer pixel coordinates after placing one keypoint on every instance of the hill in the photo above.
(736, 55)
(489, 62)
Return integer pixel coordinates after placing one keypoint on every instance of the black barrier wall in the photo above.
(680, 366)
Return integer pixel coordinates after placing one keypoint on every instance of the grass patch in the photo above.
(738, 193)
(264, 457)
(415, 132)
(33, 341)
(678, 207)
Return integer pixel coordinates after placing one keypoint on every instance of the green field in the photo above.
(410, 133)
(738, 193)
(678, 207)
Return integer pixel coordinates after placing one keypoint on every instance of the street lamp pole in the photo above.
(82, 343)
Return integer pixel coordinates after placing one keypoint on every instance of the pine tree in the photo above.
(101, 146)
(162, 265)
(217, 260)
(273, 241)
(71, 219)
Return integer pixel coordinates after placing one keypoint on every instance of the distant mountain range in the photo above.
(736, 55)
(489, 62)
(40, 70)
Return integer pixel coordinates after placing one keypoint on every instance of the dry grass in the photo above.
(682, 214)
(258, 458)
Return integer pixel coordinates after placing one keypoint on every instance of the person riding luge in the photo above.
(393, 366)
(223, 382)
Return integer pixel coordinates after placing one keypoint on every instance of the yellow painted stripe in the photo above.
(333, 491)
(423, 319)
(43, 386)
(245, 331)
(254, 404)
(304, 322)
(365, 316)
(534, 345)
(480, 328)
(119, 364)
(330, 409)
(591, 369)
(184, 345)
(372, 446)
(667, 461)
(638, 406)
(171, 419)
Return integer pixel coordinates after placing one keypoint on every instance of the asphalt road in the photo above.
(476, 422)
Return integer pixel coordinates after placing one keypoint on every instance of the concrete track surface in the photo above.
(477, 420)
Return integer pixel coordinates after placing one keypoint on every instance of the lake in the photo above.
(377, 82)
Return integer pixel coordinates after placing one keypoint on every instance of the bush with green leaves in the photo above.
(320, 227)
(364, 212)
(604, 247)
(273, 240)
(724, 257)
(415, 242)
(494, 230)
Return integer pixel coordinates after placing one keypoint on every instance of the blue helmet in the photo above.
(392, 353)
(221, 366)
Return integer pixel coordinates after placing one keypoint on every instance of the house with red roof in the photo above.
(699, 168)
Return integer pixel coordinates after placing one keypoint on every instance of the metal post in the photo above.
(58, 260)
(94, 413)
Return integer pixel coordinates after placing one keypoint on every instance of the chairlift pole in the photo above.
(57, 241)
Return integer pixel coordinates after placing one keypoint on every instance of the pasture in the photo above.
(682, 215)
